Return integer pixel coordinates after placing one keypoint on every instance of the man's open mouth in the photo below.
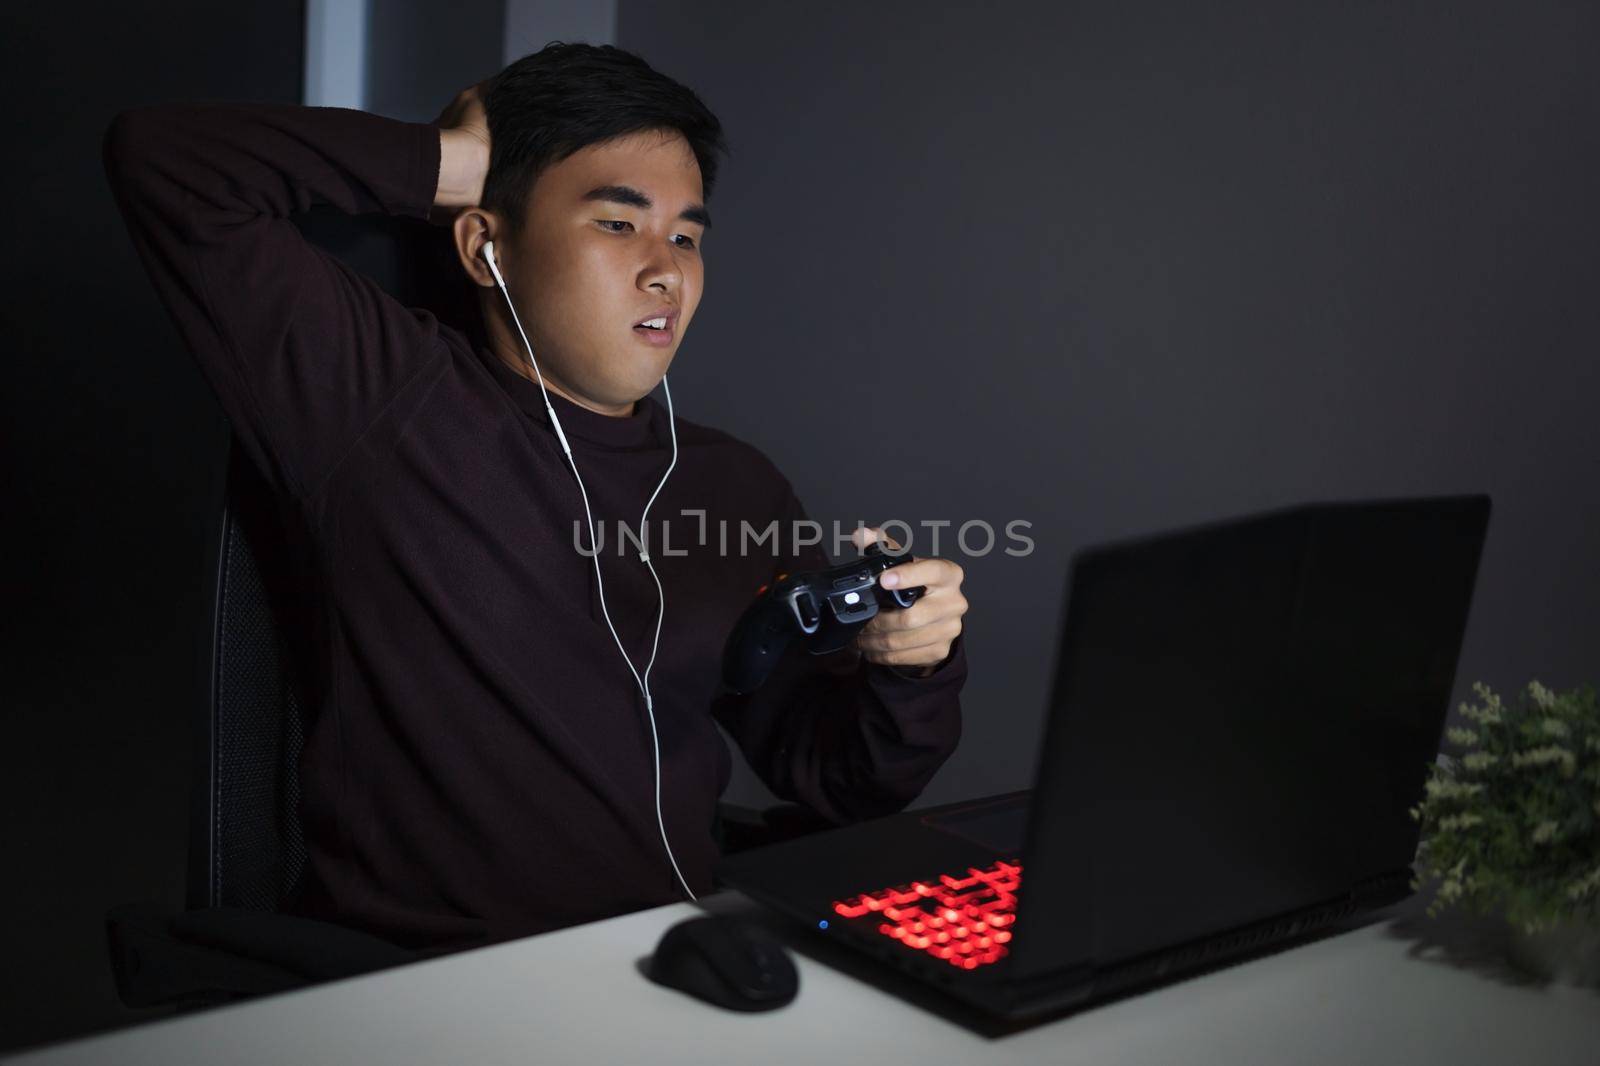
(658, 328)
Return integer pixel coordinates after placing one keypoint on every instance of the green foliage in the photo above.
(1511, 816)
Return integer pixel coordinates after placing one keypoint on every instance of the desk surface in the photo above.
(577, 995)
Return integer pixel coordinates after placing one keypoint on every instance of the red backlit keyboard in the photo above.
(964, 920)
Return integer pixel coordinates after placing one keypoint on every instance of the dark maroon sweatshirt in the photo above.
(479, 765)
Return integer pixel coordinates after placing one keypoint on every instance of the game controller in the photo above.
(823, 609)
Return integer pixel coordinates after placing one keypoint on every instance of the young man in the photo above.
(482, 762)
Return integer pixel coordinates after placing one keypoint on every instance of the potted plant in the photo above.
(1511, 825)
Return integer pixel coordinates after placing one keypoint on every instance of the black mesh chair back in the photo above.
(246, 848)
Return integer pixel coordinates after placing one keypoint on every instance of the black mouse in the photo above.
(725, 960)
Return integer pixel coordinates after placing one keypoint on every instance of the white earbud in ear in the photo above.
(494, 268)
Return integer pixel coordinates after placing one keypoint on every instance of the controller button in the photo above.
(806, 611)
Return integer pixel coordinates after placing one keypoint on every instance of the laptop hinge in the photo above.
(1059, 989)
(1065, 985)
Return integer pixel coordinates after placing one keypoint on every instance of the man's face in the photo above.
(605, 245)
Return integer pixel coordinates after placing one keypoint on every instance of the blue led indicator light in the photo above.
(823, 924)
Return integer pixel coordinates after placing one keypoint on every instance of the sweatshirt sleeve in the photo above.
(302, 352)
(849, 738)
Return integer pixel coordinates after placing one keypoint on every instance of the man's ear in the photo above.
(472, 229)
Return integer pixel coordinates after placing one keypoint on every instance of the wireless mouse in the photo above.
(728, 961)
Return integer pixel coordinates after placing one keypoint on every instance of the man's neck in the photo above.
(553, 385)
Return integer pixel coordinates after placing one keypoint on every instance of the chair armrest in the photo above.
(153, 966)
(321, 951)
(160, 955)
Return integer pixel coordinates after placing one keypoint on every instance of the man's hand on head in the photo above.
(915, 639)
(463, 155)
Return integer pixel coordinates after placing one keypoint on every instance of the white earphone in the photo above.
(594, 556)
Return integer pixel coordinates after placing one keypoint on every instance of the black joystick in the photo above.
(822, 609)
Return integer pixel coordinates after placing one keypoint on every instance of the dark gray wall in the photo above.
(420, 53)
(1116, 267)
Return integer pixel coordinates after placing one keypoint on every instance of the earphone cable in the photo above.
(594, 556)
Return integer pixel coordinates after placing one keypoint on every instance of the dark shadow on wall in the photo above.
(112, 461)
(112, 451)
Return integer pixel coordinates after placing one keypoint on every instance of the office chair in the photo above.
(245, 847)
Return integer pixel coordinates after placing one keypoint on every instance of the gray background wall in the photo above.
(1116, 267)
(1106, 268)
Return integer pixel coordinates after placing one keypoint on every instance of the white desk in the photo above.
(577, 995)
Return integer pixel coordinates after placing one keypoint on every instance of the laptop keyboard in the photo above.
(965, 920)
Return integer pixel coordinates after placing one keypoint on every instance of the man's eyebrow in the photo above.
(627, 194)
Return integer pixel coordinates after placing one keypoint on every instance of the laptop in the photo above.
(1243, 713)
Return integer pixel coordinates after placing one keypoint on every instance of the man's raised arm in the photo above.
(303, 353)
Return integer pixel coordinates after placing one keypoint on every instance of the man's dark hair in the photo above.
(564, 97)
